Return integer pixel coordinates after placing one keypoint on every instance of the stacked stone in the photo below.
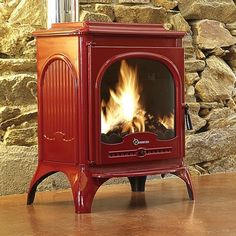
(210, 89)
(18, 96)
(210, 65)
(18, 102)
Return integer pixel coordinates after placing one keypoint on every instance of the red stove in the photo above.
(111, 104)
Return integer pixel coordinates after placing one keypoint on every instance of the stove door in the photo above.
(136, 104)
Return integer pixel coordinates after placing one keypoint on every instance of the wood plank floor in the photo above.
(163, 210)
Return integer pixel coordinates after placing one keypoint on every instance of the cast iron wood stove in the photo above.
(111, 104)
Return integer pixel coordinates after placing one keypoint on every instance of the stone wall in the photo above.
(210, 64)
(18, 98)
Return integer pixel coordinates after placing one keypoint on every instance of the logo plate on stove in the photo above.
(138, 142)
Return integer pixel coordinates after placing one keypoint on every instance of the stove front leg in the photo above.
(184, 175)
(84, 188)
(137, 183)
(41, 173)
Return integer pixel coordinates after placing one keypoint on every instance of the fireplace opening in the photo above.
(137, 95)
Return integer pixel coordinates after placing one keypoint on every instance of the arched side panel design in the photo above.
(58, 104)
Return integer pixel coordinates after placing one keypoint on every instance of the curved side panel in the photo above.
(58, 105)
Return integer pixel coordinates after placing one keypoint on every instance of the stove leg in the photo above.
(163, 176)
(84, 188)
(184, 175)
(41, 174)
(137, 183)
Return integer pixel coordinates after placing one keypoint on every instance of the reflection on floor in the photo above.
(164, 209)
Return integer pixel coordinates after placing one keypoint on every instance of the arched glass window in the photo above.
(137, 95)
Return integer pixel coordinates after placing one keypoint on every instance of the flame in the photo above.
(124, 107)
(167, 121)
(123, 111)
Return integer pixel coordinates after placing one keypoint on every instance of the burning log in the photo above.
(151, 125)
(112, 138)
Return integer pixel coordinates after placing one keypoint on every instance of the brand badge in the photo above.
(137, 142)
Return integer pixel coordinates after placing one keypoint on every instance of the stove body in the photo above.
(80, 67)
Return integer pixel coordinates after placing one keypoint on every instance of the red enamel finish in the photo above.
(72, 58)
(58, 91)
(98, 67)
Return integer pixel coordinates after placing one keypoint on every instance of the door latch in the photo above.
(187, 116)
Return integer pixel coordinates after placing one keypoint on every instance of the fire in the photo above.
(167, 121)
(124, 111)
(124, 108)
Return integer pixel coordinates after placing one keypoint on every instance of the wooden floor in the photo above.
(163, 210)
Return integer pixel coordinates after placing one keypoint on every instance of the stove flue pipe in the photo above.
(60, 11)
